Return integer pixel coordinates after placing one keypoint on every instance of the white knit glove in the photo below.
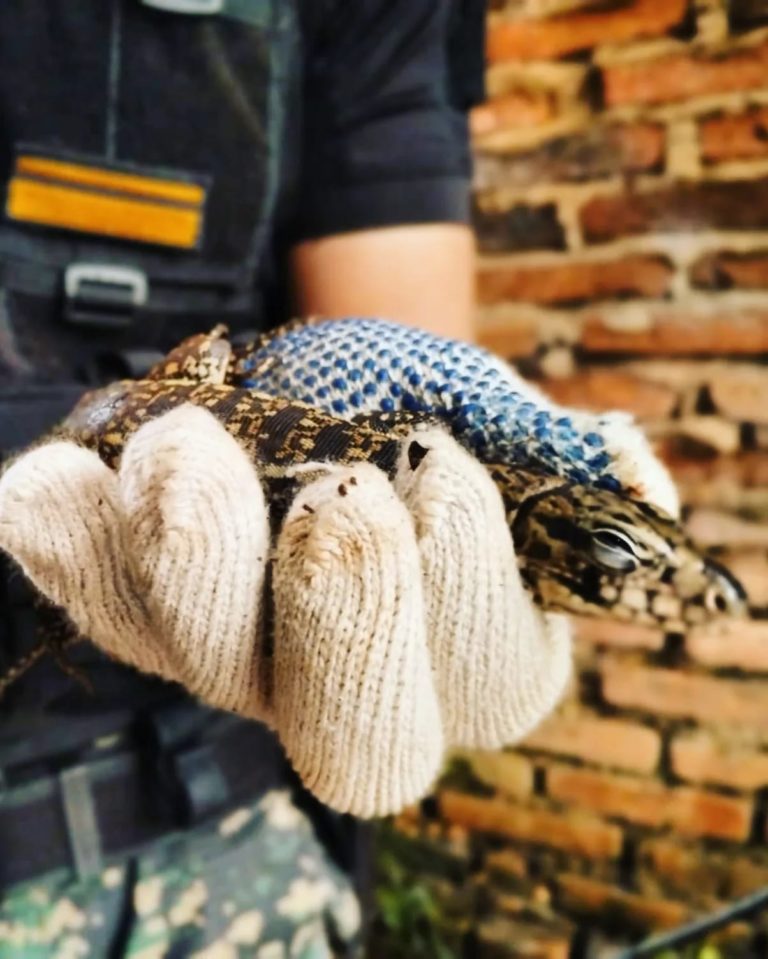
(400, 623)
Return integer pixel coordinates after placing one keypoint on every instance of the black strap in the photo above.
(40, 830)
(27, 412)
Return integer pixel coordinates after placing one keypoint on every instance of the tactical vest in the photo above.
(143, 157)
(142, 151)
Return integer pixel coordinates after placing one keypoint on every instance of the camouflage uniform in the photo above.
(256, 883)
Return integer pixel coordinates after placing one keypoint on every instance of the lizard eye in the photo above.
(614, 550)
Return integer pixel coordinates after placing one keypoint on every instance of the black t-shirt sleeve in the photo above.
(384, 131)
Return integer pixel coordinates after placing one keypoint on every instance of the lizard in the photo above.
(583, 544)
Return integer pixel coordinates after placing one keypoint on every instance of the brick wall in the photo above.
(622, 215)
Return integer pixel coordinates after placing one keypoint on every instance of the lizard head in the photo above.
(596, 553)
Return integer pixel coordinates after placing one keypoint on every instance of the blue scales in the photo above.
(360, 365)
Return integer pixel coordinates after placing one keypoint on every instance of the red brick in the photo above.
(685, 870)
(712, 433)
(682, 868)
(709, 527)
(518, 110)
(500, 936)
(741, 394)
(599, 152)
(745, 876)
(722, 271)
(748, 470)
(520, 228)
(682, 208)
(700, 759)
(599, 388)
(547, 39)
(678, 332)
(507, 861)
(684, 77)
(639, 145)
(690, 812)
(740, 136)
(511, 337)
(632, 912)
(609, 742)
(736, 643)
(577, 833)
(670, 692)
(574, 282)
(604, 632)
(510, 773)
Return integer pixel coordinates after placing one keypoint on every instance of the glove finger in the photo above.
(355, 704)
(199, 537)
(500, 664)
(60, 519)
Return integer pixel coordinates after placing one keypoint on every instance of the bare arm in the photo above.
(419, 274)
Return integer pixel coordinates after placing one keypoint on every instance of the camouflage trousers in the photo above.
(255, 884)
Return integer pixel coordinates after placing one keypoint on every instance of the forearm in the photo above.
(421, 275)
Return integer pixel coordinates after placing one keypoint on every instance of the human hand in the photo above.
(400, 622)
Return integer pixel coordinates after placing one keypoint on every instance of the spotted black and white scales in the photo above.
(354, 389)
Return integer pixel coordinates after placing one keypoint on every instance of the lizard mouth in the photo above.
(593, 592)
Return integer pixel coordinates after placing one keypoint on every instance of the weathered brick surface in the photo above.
(601, 388)
(596, 154)
(537, 40)
(578, 833)
(735, 137)
(723, 271)
(669, 692)
(681, 868)
(511, 337)
(509, 773)
(699, 758)
(501, 938)
(713, 528)
(684, 77)
(604, 632)
(622, 181)
(709, 432)
(507, 861)
(747, 469)
(573, 282)
(742, 394)
(627, 910)
(739, 644)
(690, 812)
(718, 331)
(517, 110)
(610, 742)
(521, 228)
(682, 208)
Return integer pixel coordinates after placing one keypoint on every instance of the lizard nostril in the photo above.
(725, 594)
(720, 604)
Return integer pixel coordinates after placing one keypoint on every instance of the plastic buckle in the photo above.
(195, 7)
(103, 295)
(204, 789)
